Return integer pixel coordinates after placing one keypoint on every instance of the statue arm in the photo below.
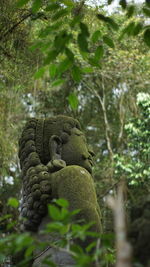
(75, 184)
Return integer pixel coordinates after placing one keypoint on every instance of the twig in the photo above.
(6, 53)
(122, 117)
(77, 10)
(9, 31)
(108, 190)
(55, 247)
(97, 249)
(102, 102)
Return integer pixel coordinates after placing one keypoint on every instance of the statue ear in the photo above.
(55, 146)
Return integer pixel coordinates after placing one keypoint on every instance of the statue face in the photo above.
(76, 151)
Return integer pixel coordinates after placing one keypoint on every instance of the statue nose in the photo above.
(85, 155)
(91, 152)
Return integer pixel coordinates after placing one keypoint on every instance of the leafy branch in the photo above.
(9, 31)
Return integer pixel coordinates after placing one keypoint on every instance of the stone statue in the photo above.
(56, 162)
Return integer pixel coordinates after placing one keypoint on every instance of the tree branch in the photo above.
(122, 117)
(9, 31)
(102, 102)
(123, 248)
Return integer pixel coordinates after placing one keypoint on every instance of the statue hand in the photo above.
(56, 165)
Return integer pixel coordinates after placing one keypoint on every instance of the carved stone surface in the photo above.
(56, 162)
(60, 258)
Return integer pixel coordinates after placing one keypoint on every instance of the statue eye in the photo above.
(64, 137)
(78, 126)
(67, 128)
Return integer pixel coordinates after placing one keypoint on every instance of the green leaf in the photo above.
(52, 7)
(130, 11)
(39, 73)
(146, 11)
(36, 5)
(11, 225)
(123, 3)
(64, 65)
(84, 54)
(87, 70)
(138, 27)
(75, 212)
(147, 2)
(82, 37)
(51, 56)
(84, 29)
(75, 20)
(102, 17)
(69, 54)
(77, 249)
(5, 217)
(112, 23)
(23, 240)
(45, 46)
(76, 73)
(68, 3)
(29, 251)
(50, 29)
(82, 42)
(93, 62)
(129, 29)
(108, 20)
(13, 202)
(35, 46)
(99, 53)
(96, 35)
(62, 202)
(21, 3)
(147, 37)
(60, 14)
(61, 40)
(107, 40)
(110, 2)
(73, 101)
(52, 71)
(57, 82)
(91, 246)
(54, 212)
(44, 32)
(54, 226)
(48, 262)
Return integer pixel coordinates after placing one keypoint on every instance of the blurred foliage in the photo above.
(73, 58)
(19, 247)
(133, 163)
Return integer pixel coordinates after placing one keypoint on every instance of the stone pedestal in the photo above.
(60, 258)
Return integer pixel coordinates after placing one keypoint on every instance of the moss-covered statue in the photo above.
(56, 163)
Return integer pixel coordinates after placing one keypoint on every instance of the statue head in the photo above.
(46, 145)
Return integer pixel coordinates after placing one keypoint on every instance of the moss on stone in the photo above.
(46, 176)
(75, 184)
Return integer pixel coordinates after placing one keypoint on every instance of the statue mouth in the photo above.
(91, 162)
(88, 165)
(88, 161)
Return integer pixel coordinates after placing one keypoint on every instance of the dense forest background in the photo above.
(85, 60)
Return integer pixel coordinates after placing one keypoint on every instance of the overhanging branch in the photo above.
(9, 31)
